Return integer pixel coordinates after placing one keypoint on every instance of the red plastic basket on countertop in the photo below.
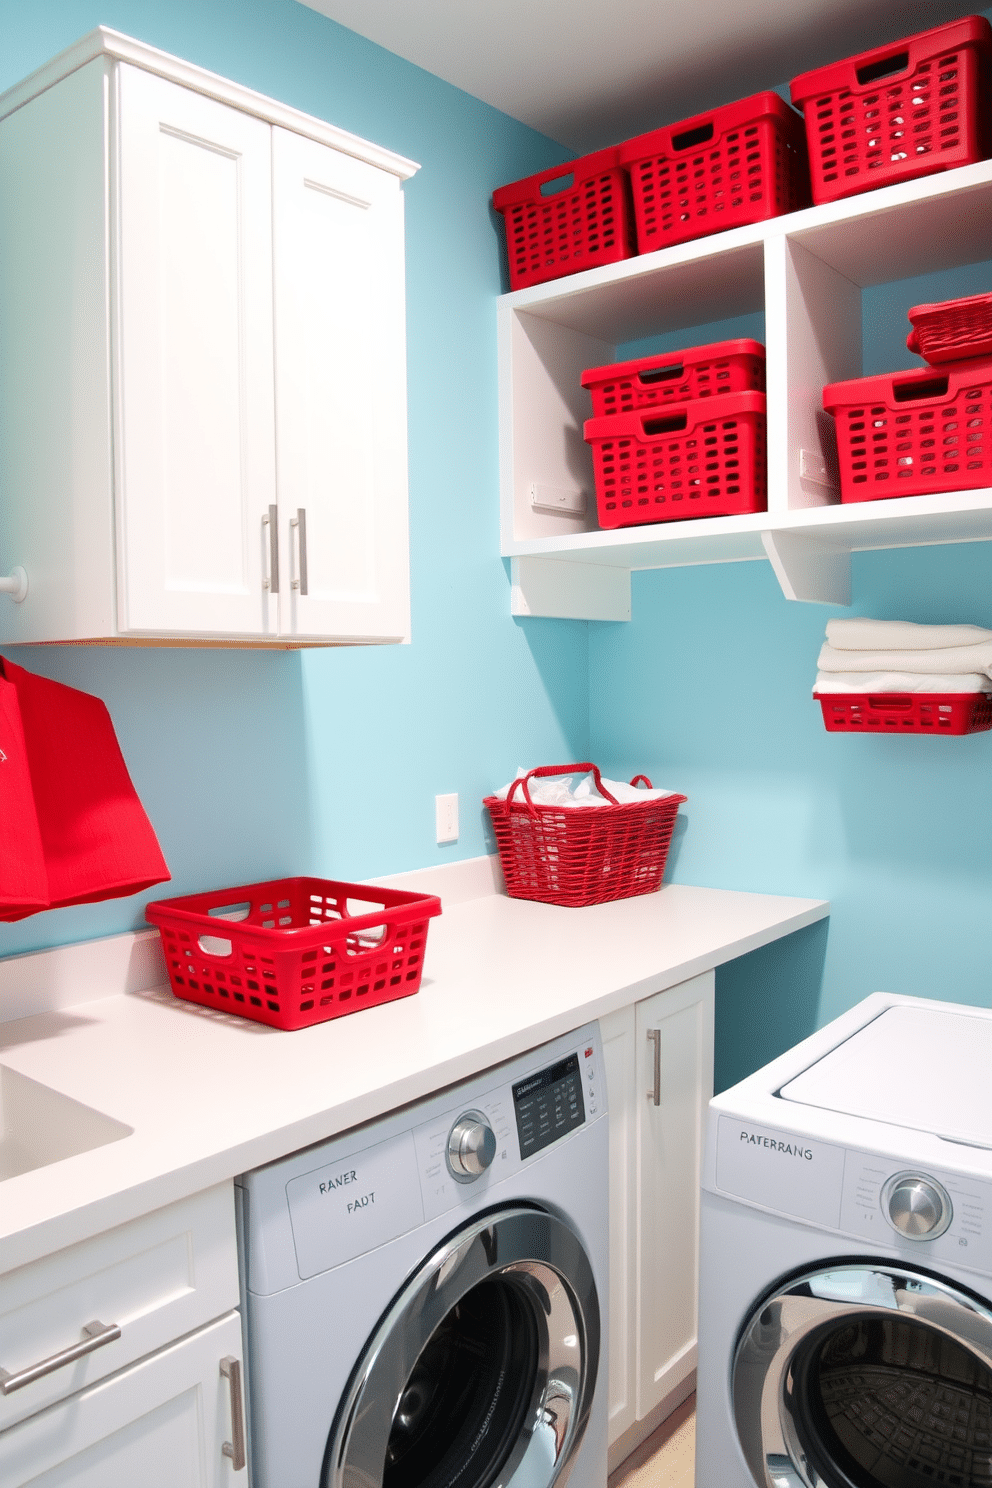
(911, 433)
(739, 164)
(952, 330)
(572, 217)
(900, 712)
(706, 458)
(899, 111)
(292, 952)
(580, 855)
(676, 376)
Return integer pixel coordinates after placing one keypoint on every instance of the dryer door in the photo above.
(482, 1371)
(860, 1375)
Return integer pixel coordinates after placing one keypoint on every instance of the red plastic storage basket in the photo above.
(898, 111)
(910, 433)
(676, 377)
(898, 712)
(571, 217)
(739, 164)
(706, 458)
(578, 855)
(291, 952)
(952, 330)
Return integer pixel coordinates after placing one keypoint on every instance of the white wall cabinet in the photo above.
(806, 272)
(149, 1403)
(659, 1074)
(203, 399)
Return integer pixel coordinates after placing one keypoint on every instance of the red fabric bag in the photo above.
(71, 820)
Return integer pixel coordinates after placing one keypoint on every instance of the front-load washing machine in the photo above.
(424, 1298)
(845, 1329)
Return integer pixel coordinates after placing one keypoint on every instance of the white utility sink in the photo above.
(39, 1125)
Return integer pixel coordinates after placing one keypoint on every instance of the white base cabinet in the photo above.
(203, 400)
(659, 1075)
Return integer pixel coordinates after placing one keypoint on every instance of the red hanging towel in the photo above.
(95, 839)
(23, 879)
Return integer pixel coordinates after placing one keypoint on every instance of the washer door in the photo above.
(481, 1374)
(866, 1376)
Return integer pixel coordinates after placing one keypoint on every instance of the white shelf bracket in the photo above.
(560, 590)
(16, 585)
(809, 569)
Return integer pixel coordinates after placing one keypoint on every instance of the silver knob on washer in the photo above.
(917, 1206)
(471, 1146)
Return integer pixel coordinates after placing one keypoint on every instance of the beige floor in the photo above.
(666, 1459)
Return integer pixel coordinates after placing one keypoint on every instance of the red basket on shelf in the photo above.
(899, 712)
(952, 330)
(676, 377)
(911, 433)
(574, 216)
(742, 163)
(579, 855)
(291, 952)
(898, 111)
(706, 458)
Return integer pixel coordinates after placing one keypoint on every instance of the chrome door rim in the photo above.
(537, 1253)
(765, 1411)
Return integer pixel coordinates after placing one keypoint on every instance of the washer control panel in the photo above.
(473, 1146)
(946, 1214)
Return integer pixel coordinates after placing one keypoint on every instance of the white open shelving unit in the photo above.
(806, 271)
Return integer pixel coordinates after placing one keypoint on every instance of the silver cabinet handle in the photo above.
(230, 1368)
(270, 581)
(300, 523)
(95, 1335)
(654, 1094)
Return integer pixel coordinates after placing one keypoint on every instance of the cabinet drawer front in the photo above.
(156, 1278)
(161, 1424)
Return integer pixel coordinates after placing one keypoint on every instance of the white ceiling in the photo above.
(591, 72)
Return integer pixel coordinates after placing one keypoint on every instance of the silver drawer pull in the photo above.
(299, 522)
(654, 1094)
(230, 1368)
(270, 522)
(95, 1335)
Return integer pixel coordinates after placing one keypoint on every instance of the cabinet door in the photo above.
(679, 1023)
(194, 440)
(340, 393)
(620, 1060)
(161, 1424)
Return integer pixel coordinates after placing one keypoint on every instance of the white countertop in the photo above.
(210, 1095)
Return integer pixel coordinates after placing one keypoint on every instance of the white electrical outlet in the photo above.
(446, 817)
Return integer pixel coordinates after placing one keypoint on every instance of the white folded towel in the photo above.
(875, 682)
(901, 635)
(975, 658)
(556, 790)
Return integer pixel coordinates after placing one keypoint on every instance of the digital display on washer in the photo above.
(548, 1105)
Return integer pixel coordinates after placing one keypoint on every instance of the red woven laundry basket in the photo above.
(579, 855)
(291, 952)
(897, 712)
(899, 111)
(739, 164)
(911, 433)
(952, 330)
(736, 366)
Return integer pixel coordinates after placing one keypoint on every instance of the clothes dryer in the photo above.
(424, 1298)
(845, 1332)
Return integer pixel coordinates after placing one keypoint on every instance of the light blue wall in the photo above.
(253, 765)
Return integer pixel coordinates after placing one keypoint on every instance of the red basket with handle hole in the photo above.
(899, 111)
(706, 458)
(899, 712)
(739, 164)
(572, 217)
(292, 952)
(676, 376)
(580, 855)
(953, 330)
(911, 433)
